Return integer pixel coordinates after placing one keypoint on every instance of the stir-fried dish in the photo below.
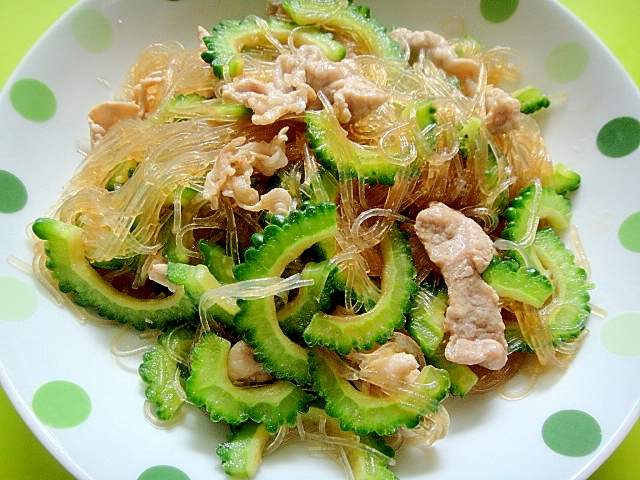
(326, 226)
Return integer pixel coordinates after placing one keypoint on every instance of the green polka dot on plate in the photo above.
(13, 194)
(18, 300)
(620, 334)
(498, 11)
(33, 100)
(573, 433)
(61, 404)
(163, 472)
(629, 232)
(619, 137)
(567, 62)
(92, 30)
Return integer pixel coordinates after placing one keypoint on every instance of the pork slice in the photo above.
(462, 250)
(439, 50)
(231, 174)
(503, 111)
(243, 367)
(295, 83)
(106, 114)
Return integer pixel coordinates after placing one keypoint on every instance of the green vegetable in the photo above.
(186, 107)
(170, 250)
(121, 174)
(369, 456)
(531, 100)
(516, 282)
(296, 314)
(344, 158)
(568, 309)
(461, 377)
(365, 414)
(564, 179)
(363, 331)
(75, 275)
(257, 319)
(197, 279)
(241, 454)
(426, 326)
(477, 155)
(468, 136)
(281, 356)
(554, 209)
(515, 338)
(353, 21)
(208, 386)
(217, 261)
(570, 303)
(283, 244)
(366, 466)
(231, 37)
(426, 318)
(119, 263)
(160, 371)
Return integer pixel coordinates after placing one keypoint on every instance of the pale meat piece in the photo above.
(394, 368)
(503, 111)
(462, 251)
(297, 80)
(106, 114)
(158, 272)
(242, 366)
(231, 174)
(439, 51)
(276, 200)
(387, 368)
(267, 101)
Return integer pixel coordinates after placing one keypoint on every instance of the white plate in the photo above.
(490, 437)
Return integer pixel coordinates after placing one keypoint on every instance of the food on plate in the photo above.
(327, 226)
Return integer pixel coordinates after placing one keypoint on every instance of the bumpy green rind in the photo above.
(208, 386)
(257, 319)
(516, 343)
(363, 331)
(241, 454)
(516, 282)
(367, 414)
(553, 209)
(531, 99)
(159, 368)
(280, 355)
(369, 467)
(230, 37)
(570, 285)
(75, 275)
(565, 180)
(344, 158)
(283, 244)
(354, 20)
